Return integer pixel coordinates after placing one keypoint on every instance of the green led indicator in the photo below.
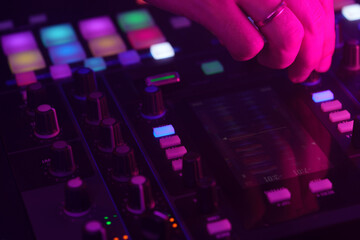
(169, 215)
(213, 67)
(106, 218)
(162, 78)
(108, 222)
(115, 216)
(135, 20)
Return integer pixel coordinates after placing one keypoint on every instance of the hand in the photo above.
(301, 38)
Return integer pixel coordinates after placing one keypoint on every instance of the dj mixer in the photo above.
(140, 125)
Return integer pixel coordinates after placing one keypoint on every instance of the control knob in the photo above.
(85, 82)
(62, 161)
(35, 95)
(207, 198)
(77, 201)
(46, 123)
(110, 135)
(192, 170)
(97, 108)
(93, 230)
(124, 163)
(153, 103)
(140, 195)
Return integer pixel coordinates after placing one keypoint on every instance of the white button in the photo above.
(347, 126)
(177, 165)
(223, 225)
(339, 116)
(175, 152)
(171, 141)
(278, 195)
(331, 106)
(320, 185)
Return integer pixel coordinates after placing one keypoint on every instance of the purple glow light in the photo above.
(18, 42)
(96, 27)
(60, 71)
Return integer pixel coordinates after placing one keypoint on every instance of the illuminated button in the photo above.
(129, 58)
(67, 53)
(170, 141)
(6, 25)
(37, 19)
(24, 79)
(320, 185)
(220, 226)
(347, 126)
(175, 152)
(60, 71)
(96, 64)
(162, 79)
(322, 96)
(180, 22)
(57, 35)
(339, 116)
(144, 38)
(26, 61)
(162, 51)
(107, 46)
(351, 12)
(177, 165)
(331, 106)
(211, 68)
(18, 42)
(135, 20)
(96, 27)
(163, 131)
(278, 195)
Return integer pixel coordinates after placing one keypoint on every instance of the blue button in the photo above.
(322, 96)
(163, 131)
(129, 57)
(57, 35)
(67, 53)
(95, 63)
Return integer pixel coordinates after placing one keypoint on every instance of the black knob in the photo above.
(93, 230)
(154, 227)
(77, 201)
(36, 95)
(62, 161)
(97, 108)
(140, 195)
(191, 171)
(153, 103)
(351, 55)
(46, 123)
(85, 82)
(110, 135)
(124, 164)
(355, 139)
(207, 198)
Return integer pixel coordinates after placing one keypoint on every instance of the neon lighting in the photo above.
(212, 67)
(351, 12)
(24, 79)
(163, 131)
(125, 237)
(60, 71)
(162, 51)
(96, 27)
(129, 58)
(107, 46)
(163, 79)
(108, 222)
(106, 218)
(322, 96)
(135, 20)
(96, 64)
(67, 53)
(145, 38)
(18, 42)
(26, 61)
(57, 35)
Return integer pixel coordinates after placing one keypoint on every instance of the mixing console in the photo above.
(140, 125)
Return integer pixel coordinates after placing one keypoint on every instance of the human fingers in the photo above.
(312, 16)
(284, 33)
(224, 19)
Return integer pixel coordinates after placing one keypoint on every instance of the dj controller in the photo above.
(140, 125)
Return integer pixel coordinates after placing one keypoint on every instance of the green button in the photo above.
(134, 20)
(213, 67)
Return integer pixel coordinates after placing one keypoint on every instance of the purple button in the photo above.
(96, 27)
(18, 42)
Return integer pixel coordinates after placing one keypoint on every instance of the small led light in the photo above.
(114, 215)
(162, 51)
(116, 238)
(163, 131)
(95, 63)
(351, 12)
(174, 225)
(171, 220)
(322, 96)
(125, 237)
(108, 222)
(106, 218)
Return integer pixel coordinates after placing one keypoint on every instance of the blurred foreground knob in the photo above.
(77, 201)
(97, 108)
(46, 123)
(36, 95)
(153, 103)
(62, 161)
(192, 170)
(140, 195)
(124, 163)
(85, 82)
(355, 139)
(110, 135)
(93, 230)
(207, 198)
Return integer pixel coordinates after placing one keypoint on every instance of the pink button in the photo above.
(60, 71)
(144, 38)
(18, 42)
(24, 79)
(278, 195)
(170, 141)
(339, 116)
(347, 126)
(175, 152)
(331, 106)
(320, 185)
